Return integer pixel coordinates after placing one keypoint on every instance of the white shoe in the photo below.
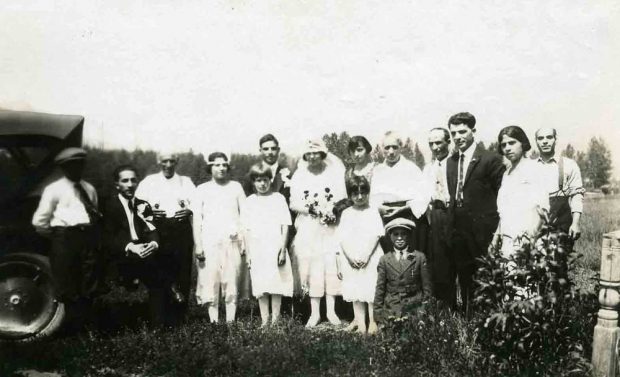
(372, 328)
(352, 326)
(333, 319)
(313, 321)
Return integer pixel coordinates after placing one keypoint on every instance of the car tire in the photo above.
(28, 308)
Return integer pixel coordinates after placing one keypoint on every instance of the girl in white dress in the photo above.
(265, 219)
(522, 200)
(218, 243)
(358, 232)
(318, 179)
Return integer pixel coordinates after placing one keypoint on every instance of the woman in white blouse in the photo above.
(523, 200)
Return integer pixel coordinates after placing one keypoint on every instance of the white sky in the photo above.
(218, 74)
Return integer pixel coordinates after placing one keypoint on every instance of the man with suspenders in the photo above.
(565, 185)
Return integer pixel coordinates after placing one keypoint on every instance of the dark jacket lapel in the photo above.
(120, 212)
(393, 263)
(276, 185)
(409, 263)
(475, 159)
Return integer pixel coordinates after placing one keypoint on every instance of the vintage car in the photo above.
(28, 144)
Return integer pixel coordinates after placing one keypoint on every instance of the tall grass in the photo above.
(119, 344)
(601, 215)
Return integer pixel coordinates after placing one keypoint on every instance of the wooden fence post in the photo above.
(606, 332)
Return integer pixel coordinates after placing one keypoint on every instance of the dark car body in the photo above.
(29, 142)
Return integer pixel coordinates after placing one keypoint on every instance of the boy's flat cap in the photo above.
(399, 222)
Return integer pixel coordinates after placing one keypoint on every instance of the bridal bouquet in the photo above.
(321, 206)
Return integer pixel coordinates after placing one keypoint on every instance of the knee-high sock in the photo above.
(315, 305)
(359, 311)
(231, 310)
(330, 305)
(214, 313)
(276, 302)
(263, 305)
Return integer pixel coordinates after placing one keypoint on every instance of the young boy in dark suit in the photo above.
(403, 281)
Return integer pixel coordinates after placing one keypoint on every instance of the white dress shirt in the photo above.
(60, 205)
(170, 195)
(401, 254)
(402, 181)
(572, 183)
(435, 173)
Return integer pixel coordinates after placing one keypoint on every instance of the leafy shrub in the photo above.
(531, 316)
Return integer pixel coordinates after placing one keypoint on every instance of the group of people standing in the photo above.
(384, 236)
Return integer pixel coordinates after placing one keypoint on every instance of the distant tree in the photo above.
(569, 152)
(581, 160)
(418, 157)
(598, 162)
(338, 145)
(407, 150)
(493, 147)
(377, 154)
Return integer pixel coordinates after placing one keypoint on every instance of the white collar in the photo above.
(163, 177)
(552, 159)
(469, 152)
(403, 251)
(126, 201)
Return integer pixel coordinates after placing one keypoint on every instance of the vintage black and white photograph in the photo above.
(309, 188)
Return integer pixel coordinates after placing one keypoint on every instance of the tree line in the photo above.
(595, 163)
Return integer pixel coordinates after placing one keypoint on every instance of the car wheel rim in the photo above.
(27, 303)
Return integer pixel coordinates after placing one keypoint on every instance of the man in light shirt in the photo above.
(169, 195)
(398, 189)
(439, 251)
(474, 177)
(68, 214)
(563, 177)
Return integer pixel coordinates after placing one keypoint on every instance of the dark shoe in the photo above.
(175, 295)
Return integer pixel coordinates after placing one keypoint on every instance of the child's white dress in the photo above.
(217, 207)
(357, 232)
(262, 218)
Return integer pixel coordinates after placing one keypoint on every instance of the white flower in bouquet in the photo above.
(321, 206)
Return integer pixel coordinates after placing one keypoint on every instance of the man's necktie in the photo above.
(459, 189)
(134, 218)
(93, 213)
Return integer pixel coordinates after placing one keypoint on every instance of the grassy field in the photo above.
(601, 215)
(118, 343)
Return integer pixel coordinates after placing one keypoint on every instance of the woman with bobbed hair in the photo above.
(316, 186)
(359, 150)
(217, 238)
(522, 201)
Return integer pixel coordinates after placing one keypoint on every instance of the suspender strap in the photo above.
(561, 175)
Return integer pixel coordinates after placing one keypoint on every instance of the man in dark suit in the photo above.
(270, 152)
(474, 176)
(439, 253)
(133, 243)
